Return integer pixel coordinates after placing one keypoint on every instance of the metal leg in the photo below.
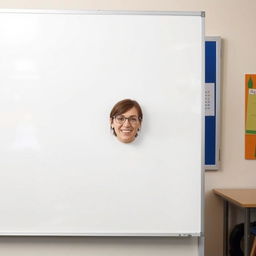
(246, 231)
(225, 228)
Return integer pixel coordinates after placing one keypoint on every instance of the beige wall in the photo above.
(234, 21)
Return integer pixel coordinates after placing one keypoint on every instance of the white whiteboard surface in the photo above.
(61, 170)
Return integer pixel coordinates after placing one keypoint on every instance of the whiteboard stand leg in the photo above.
(201, 246)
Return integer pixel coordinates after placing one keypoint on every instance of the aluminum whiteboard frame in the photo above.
(101, 234)
(103, 12)
(216, 39)
(201, 238)
(200, 235)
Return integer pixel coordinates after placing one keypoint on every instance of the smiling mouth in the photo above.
(126, 131)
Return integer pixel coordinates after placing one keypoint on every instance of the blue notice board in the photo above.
(212, 102)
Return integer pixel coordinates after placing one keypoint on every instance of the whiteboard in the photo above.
(62, 172)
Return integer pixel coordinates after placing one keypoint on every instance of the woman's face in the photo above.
(126, 125)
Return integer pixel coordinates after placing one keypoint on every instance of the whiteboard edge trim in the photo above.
(102, 234)
(102, 12)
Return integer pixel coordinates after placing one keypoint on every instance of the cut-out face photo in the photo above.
(125, 120)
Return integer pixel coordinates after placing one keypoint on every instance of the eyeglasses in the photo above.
(120, 119)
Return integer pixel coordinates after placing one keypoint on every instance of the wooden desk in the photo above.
(244, 198)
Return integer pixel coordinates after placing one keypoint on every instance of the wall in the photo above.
(234, 21)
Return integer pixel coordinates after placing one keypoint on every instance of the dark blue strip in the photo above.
(210, 121)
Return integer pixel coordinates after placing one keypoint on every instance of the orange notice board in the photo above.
(250, 116)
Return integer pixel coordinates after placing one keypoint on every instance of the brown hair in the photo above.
(123, 106)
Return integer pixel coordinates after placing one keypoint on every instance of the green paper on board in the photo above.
(251, 112)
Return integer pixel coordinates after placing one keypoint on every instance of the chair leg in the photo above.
(253, 250)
